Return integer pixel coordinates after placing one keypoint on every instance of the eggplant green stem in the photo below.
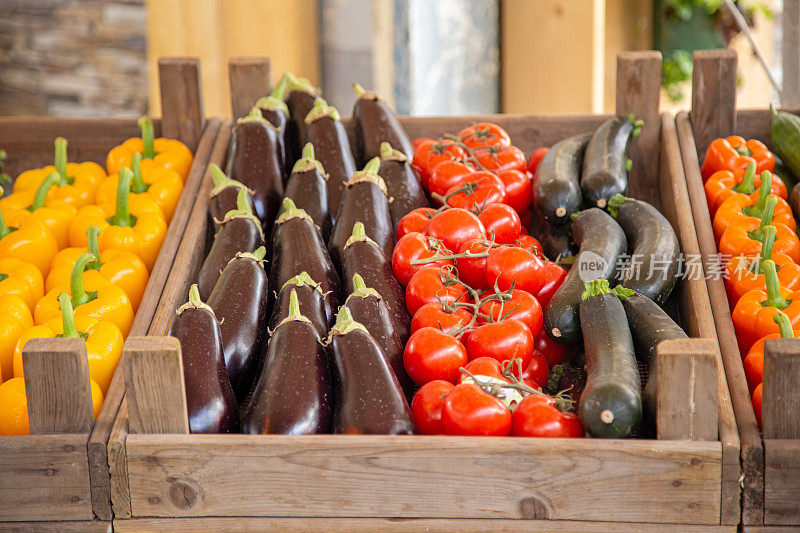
(299, 84)
(76, 288)
(148, 137)
(294, 305)
(359, 234)
(774, 296)
(68, 317)
(195, 302)
(242, 203)
(623, 293)
(358, 89)
(322, 109)
(138, 186)
(372, 166)
(41, 192)
(257, 255)
(255, 116)
(748, 183)
(122, 216)
(360, 289)
(345, 323)
(784, 325)
(389, 153)
(274, 101)
(92, 232)
(60, 160)
(595, 288)
(290, 210)
(614, 203)
(4, 229)
(279, 91)
(303, 278)
(308, 162)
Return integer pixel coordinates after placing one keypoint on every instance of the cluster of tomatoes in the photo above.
(476, 284)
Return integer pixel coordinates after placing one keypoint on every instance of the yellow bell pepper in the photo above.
(22, 279)
(24, 205)
(103, 341)
(167, 153)
(77, 181)
(31, 242)
(94, 298)
(134, 224)
(123, 269)
(15, 318)
(161, 185)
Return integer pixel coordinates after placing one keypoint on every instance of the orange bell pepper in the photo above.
(161, 185)
(725, 183)
(21, 206)
(746, 235)
(124, 269)
(76, 184)
(103, 341)
(166, 153)
(15, 318)
(21, 279)
(753, 313)
(135, 224)
(740, 205)
(744, 274)
(31, 242)
(754, 361)
(734, 153)
(94, 298)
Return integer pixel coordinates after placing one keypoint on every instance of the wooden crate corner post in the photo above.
(250, 78)
(713, 95)
(181, 99)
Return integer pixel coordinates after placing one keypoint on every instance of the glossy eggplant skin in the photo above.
(402, 183)
(209, 396)
(254, 160)
(332, 149)
(294, 395)
(236, 234)
(312, 306)
(239, 301)
(604, 173)
(277, 118)
(376, 123)
(309, 190)
(300, 103)
(363, 257)
(556, 184)
(556, 240)
(369, 397)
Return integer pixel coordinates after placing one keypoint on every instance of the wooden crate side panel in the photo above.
(782, 482)
(44, 477)
(78, 526)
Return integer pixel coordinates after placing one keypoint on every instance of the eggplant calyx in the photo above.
(293, 83)
(363, 94)
(294, 314)
(595, 288)
(370, 174)
(290, 211)
(390, 154)
(256, 116)
(623, 293)
(614, 203)
(222, 181)
(359, 235)
(309, 162)
(194, 302)
(302, 279)
(345, 324)
(360, 289)
(272, 103)
(322, 109)
(242, 211)
(257, 255)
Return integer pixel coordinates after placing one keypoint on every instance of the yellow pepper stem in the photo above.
(148, 137)
(122, 216)
(68, 317)
(92, 232)
(76, 288)
(138, 186)
(41, 192)
(61, 161)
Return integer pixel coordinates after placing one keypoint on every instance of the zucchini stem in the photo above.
(595, 288)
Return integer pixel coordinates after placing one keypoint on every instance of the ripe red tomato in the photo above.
(538, 416)
(496, 159)
(519, 190)
(537, 371)
(454, 227)
(478, 190)
(432, 315)
(416, 143)
(502, 341)
(531, 244)
(552, 351)
(473, 271)
(507, 265)
(426, 407)
(554, 275)
(535, 158)
(416, 220)
(502, 222)
(483, 366)
(431, 354)
(411, 247)
(522, 306)
(428, 155)
(484, 134)
(756, 404)
(447, 175)
(431, 285)
(468, 410)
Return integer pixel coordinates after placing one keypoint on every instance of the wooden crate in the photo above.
(771, 467)
(688, 476)
(60, 471)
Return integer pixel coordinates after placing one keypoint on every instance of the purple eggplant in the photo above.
(300, 97)
(308, 189)
(239, 231)
(375, 123)
(239, 302)
(364, 201)
(369, 399)
(312, 304)
(221, 200)
(325, 131)
(294, 395)
(276, 112)
(402, 183)
(209, 396)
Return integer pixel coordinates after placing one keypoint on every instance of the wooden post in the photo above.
(181, 99)
(156, 393)
(638, 90)
(790, 24)
(57, 386)
(713, 96)
(250, 79)
(687, 390)
(781, 405)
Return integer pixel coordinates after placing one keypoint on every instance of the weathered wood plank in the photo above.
(713, 95)
(250, 79)
(117, 465)
(79, 526)
(181, 99)
(782, 482)
(781, 403)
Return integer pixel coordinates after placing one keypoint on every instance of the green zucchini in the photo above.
(611, 403)
(784, 130)
(600, 240)
(605, 168)
(556, 184)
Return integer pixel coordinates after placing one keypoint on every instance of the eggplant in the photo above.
(325, 131)
(375, 123)
(605, 168)
(312, 304)
(209, 397)
(276, 112)
(297, 247)
(794, 200)
(556, 183)
(239, 231)
(402, 183)
(239, 301)
(364, 201)
(601, 242)
(364, 257)
(611, 403)
(222, 199)
(294, 395)
(255, 161)
(368, 308)
(369, 399)
(300, 97)
(654, 249)
(556, 240)
(308, 189)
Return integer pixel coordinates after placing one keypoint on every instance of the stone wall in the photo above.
(76, 58)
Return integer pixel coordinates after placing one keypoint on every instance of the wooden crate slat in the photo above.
(181, 99)
(713, 95)
(781, 405)
(250, 79)
(78, 526)
(781, 482)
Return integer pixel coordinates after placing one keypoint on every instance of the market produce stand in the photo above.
(164, 478)
(771, 468)
(60, 472)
